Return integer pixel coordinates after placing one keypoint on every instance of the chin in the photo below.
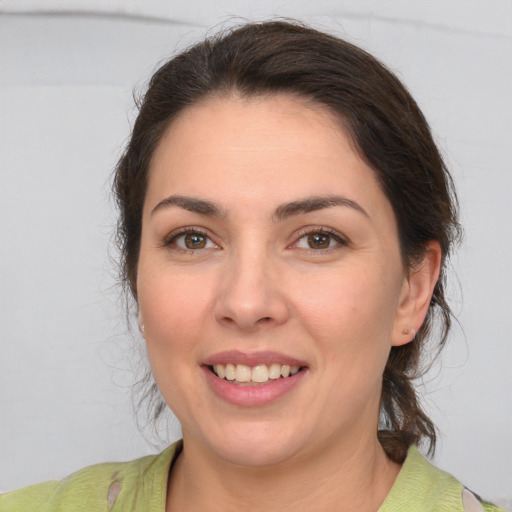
(255, 446)
(256, 455)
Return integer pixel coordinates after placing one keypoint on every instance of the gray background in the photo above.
(67, 71)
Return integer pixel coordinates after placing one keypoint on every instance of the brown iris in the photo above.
(195, 241)
(319, 240)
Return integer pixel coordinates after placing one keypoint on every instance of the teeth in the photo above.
(219, 370)
(259, 373)
(230, 372)
(243, 373)
(274, 372)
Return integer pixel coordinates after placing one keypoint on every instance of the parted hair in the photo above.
(388, 130)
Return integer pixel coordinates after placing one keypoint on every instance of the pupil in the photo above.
(195, 241)
(318, 241)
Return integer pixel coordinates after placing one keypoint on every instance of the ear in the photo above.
(415, 296)
(141, 324)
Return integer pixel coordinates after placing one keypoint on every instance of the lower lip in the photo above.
(252, 395)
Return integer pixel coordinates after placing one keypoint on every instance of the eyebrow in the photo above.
(306, 205)
(192, 204)
(311, 204)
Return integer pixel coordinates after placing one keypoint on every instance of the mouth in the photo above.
(257, 374)
(253, 379)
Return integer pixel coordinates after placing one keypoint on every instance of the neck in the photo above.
(355, 475)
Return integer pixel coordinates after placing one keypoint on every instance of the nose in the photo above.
(249, 296)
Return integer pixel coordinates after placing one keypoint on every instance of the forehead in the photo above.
(275, 147)
(262, 123)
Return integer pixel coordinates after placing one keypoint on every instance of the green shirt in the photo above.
(141, 486)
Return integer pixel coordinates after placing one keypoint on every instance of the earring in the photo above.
(408, 331)
(141, 329)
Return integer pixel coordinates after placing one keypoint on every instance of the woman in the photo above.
(285, 219)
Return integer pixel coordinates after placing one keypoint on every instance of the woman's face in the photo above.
(267, 244)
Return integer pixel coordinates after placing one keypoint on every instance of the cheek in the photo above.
(351, 318)
(355, 299)
(174, 313)
(174, 308)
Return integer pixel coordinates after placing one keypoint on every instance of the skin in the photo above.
(257, 284)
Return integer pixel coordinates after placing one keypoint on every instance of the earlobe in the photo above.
(416, 294)
(141, 324)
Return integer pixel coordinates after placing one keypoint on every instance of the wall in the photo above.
(67, 71)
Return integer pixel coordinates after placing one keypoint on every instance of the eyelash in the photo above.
(172, 238)
(340, 241)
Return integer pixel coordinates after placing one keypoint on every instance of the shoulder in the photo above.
(98, 487)
(421, 486)
(473, 503)
(29, 498)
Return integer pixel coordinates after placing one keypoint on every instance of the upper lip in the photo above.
(252, 358)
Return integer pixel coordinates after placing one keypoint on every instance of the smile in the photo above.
(253, 379)
(261, 373)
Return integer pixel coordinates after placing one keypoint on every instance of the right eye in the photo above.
(190, 240)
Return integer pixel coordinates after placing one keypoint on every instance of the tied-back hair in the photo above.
(388, 131)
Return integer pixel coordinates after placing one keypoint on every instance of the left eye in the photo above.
(319, 240)
(192, 241)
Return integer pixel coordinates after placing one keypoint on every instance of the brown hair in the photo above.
(387, 128)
